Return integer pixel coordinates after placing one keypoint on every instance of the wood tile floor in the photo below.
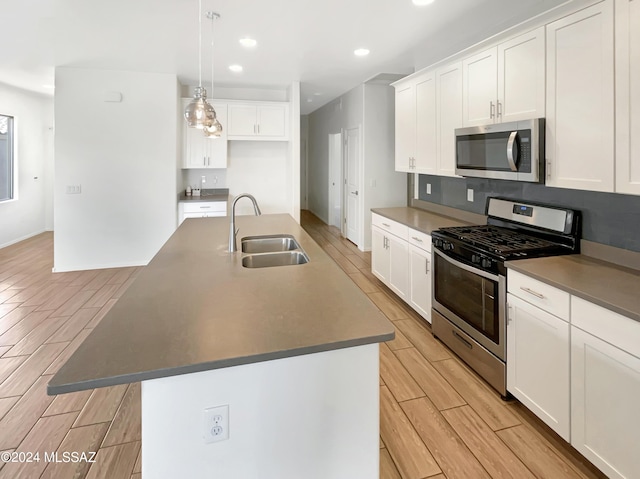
(438, 419)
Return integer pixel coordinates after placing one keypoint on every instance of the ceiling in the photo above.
(308, 41)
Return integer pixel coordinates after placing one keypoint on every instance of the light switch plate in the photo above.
(469, 194)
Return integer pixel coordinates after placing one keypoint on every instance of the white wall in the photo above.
(343, 113)
(29, 212)
(124, 156)
(382, 185)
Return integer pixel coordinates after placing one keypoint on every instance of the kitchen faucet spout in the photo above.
(233, 232)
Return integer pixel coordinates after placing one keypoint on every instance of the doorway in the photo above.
(352, 185)
(335, 180)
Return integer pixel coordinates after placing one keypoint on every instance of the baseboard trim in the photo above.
(17, 240)
(70, 268)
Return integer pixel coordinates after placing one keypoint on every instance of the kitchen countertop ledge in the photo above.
(215, 194)
(417, 219)
(196, 308)
(605, 284)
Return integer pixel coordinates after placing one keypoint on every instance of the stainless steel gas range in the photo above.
(469, 279)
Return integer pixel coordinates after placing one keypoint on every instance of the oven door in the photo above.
(472, 299)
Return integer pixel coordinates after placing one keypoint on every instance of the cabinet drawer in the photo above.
(390, 226)
(542, 295)
(420, 239)
(205, 207)
(622, 332)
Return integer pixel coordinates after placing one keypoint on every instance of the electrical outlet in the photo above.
(74, 189)
(469, 194)
(216, 424)
(428, 188)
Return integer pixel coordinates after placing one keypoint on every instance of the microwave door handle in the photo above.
(511, 150)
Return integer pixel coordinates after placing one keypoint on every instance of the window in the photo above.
(6, 157)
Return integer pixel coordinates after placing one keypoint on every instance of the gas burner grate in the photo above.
(499, 240)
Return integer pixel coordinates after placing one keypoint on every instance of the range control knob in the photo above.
(475, 259)
(486, 263)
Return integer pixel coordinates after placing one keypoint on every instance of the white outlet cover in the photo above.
(428, 188)
(469, 194)
(215, 424)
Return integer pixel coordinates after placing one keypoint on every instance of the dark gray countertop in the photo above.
(217, 194)
(417, 219)
(195, 308)
(605, 284)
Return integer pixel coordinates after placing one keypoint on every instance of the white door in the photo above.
(580, 100)
(335, 180)
(352, 193)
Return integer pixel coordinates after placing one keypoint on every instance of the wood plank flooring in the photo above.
(438, 419)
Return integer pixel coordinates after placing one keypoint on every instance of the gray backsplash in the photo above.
(608, 218)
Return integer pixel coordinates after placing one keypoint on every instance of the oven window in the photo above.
(471, 297)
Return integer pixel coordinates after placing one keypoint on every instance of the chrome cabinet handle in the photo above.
(204, 207)
(509, 308)
(492, 110)
(416, 239)
(254, 129)
(426, 266)
(386, 224)
(548, 169)
(512, 144)
(499, 109)
(534, 293)
(258, 129)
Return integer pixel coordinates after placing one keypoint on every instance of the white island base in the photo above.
(314, 416)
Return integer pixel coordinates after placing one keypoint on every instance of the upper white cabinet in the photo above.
(627, 26)
(506, 82)
(258, 121)
(449, 115)
(201, 152)
(416, 146)
(580, 100)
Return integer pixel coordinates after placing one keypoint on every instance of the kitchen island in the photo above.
(291, 350)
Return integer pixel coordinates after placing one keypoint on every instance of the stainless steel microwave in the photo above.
(504, 151)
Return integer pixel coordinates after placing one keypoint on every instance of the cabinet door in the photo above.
(426, 148)
(449, 115)
(627, 97)
(243, 120)
(480, 88)
(272, 121)
(218, 146)
(420, 281)
(538, 363)
(605, 387)
(521, 69)
(405, 121)
(398, 266)
(580, 98)
(379, 255)
(196, 149)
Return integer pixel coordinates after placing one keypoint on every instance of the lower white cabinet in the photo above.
(201, 209)
(605, 389)
(538, 363)
(401, 259)
(420, 274)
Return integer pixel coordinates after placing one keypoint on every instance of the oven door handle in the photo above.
(511, 151)
(465, 267)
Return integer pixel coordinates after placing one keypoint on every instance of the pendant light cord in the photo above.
(200, 43)
(213, 19)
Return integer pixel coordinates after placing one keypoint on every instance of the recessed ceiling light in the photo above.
(248, 42)
(422, 3)
(235, 68)
(361, 52)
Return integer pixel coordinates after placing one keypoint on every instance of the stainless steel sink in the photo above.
(269, 243)
(281, 258)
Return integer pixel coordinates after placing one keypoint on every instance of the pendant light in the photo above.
(199, 113)
(215, 130)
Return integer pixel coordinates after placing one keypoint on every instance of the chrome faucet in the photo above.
(233, 246)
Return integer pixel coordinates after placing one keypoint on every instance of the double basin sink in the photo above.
(272, 250)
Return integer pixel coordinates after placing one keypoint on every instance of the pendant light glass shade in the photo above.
(199, 112)
(213, 131)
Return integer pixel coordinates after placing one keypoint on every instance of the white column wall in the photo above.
(123, 154)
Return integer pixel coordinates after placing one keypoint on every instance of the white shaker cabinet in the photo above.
(201, 209)
(580, 100)
(449, 115)
(506, 82)
(390, 254)
(202, 152)
(415, 125)
(605, 387)
(420, 269)
(258, 121)
(627, 26)
(379, 254)
(538, 362)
